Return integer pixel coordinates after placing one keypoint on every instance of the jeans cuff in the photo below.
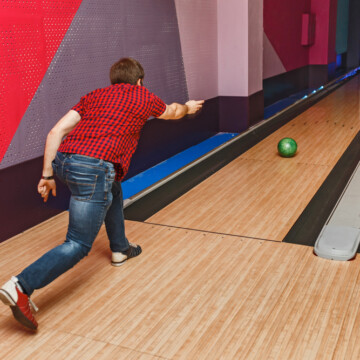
(27, 289)
(123, 248)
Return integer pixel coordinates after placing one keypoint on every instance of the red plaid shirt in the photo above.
(110, 125)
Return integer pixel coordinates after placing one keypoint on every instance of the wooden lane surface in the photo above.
(190, 295)
(323, 132)
(259, 199)
(260, 194)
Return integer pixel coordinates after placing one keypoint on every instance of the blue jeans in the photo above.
(95, 198)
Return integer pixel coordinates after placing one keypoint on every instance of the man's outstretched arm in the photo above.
(176, 111)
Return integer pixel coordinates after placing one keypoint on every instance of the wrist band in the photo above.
(47, 177)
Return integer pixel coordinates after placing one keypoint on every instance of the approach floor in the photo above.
(190, 295)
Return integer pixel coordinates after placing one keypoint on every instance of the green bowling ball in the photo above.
(287, 147)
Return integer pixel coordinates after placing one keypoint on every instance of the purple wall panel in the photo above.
(21, 205)
(100, 34)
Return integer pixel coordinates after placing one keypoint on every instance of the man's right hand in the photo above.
(44, 188)
(194, 106)
(177, 111)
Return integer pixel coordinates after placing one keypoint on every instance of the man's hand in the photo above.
(177, 111)
(44, 188)
(194, 106)
(53, 141)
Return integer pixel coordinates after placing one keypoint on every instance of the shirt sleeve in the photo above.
(80, 106)
(157, 106)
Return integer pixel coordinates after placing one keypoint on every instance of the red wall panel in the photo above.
(323, 51)
(283, 27)
(31, 33)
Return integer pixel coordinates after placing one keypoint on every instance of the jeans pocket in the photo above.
(57, 169)
(81, 185)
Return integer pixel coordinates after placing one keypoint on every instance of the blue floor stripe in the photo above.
(149, 177)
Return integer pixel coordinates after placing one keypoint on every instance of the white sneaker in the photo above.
(118, 258)
(12, 295)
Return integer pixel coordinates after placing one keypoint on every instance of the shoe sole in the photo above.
(6, 298)
(18, 315)
(118, 263)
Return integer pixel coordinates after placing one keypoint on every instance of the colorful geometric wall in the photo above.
(282, 26)
(31, 32)
(55, 51)
(59, 50)
(283, 29)
(272, 64)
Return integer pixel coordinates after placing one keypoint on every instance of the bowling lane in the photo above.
(260, 199)
(323, 132)
(260, 194)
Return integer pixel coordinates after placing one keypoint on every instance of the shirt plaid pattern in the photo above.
(111, 122)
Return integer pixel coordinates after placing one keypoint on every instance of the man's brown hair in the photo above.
(126, 70)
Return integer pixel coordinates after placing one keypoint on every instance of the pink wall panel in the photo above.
(233, 23)
(240, 37)
(198, 35)
(256, 35)
(218, 56)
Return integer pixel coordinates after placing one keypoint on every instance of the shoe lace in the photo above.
(36, 309)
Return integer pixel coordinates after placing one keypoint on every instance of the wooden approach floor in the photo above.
(190, 295)
(260, 194)
(214, 280)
